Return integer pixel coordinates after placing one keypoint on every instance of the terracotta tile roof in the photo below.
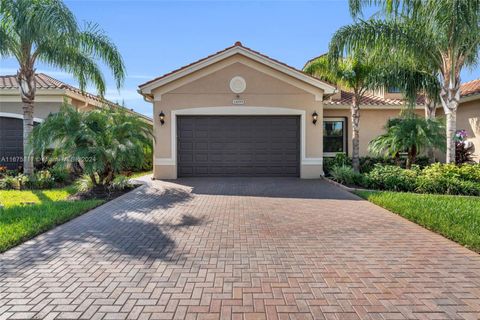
(470, 88)
(368, 99)
(44, 81)
(237, 44)
(467, 89)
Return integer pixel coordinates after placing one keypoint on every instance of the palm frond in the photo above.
(71, 59)
(46, 30)
(104, 141)
(95, 42)
(384, 36)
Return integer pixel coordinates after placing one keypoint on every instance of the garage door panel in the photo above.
(238, 146)
(11, 142)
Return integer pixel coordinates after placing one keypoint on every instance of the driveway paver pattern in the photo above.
(239, 248)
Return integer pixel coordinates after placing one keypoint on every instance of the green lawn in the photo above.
(455, 217)
(20, 222)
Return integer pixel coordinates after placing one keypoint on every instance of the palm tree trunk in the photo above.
(430, 113)
(450, 98)
(451, 130)
(94, 179)
(26, 81)
(356, 133)
(412, 157)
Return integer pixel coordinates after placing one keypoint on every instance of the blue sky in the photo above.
(156, 37)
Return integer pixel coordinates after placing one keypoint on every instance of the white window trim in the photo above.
(345, 134)
(17, 116)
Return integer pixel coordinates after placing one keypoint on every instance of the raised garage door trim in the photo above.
(235, 146)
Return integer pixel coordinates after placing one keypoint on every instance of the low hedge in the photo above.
(391, 178)
(367, 164)
(436, 178)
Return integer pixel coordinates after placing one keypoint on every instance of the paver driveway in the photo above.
(233, 248)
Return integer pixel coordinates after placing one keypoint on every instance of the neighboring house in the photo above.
(241, 113)
(50, 95)
(468, 114)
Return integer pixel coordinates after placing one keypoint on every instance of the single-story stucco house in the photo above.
(239, 112)
(50, 95)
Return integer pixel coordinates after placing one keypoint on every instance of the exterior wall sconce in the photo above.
(314, 117)
(162, 118)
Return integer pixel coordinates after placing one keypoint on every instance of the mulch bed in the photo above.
(101, 193)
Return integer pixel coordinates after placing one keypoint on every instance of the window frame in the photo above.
(345, 135)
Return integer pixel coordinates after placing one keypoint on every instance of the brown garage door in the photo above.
(235, 146)
(11, 142)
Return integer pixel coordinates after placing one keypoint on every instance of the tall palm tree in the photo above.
(47, 31)
(414, 79)
(442, 33)
(355, 74)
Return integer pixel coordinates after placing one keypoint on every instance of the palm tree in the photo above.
(47, 31)
(356, 74)
(410, 134)
(444, 34)
(414, 79)
(104, 141)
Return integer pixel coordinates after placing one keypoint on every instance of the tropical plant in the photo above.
(392, 178)
(357, 74)
(463, 148)
(408, 133)
(346, 175)
(46, 31)
(104, 142)
(442, 34)
(450, 179)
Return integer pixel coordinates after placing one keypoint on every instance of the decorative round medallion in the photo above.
(238, 84)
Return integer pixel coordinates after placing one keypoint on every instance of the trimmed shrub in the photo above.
(42, 180)
(346, 175)
(436, 178)
(367, 164)
(6, 183)
(20, 182)
(59, 174)
(450, 179)
(392, 178)
(339, 160)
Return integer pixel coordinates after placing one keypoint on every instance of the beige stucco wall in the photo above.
(468, 118)
(43, 106)
(372, 122)
(209, 87)
(41, 109)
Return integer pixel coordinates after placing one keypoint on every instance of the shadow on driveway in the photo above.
(137, 224)
(265, 187)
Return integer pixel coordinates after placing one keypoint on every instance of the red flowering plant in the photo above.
(463, 148)
(3, 170)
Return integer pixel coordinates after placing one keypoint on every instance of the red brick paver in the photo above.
(239, 249)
